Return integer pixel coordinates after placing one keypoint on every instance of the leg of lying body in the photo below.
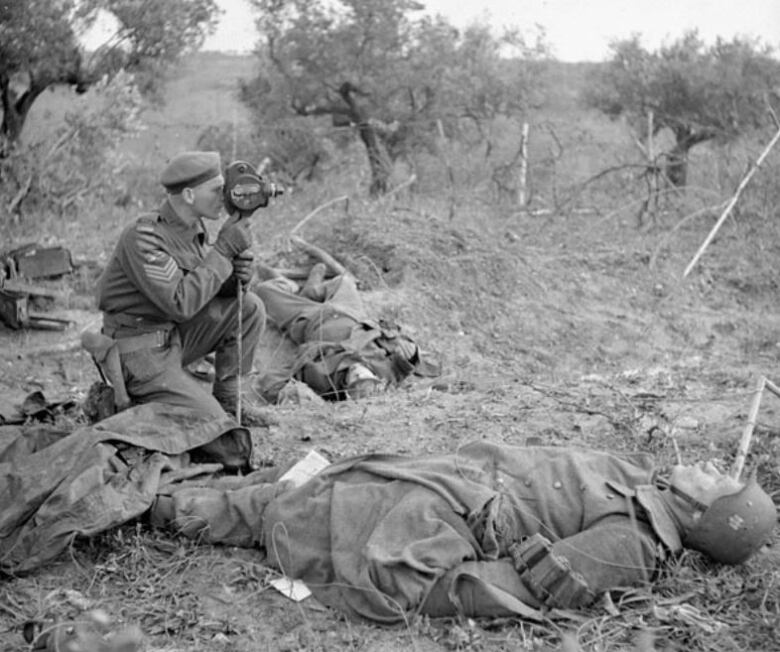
(283, 307)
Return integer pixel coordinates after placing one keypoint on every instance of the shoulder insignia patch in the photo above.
(144, 227)
(146, 223)
(147, 237)
(156, 257)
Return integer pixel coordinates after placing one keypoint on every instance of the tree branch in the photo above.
(315, 251)
(300, 224)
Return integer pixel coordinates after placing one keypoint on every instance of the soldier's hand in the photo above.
(243, 267)
(233, 238)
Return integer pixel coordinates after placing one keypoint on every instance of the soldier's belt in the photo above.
(152, 340)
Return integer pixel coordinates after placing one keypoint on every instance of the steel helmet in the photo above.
(734, 526)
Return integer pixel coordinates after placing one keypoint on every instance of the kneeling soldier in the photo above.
(169, 299)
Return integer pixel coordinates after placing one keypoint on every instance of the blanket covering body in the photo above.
(55, 485)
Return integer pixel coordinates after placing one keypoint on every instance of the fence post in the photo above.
(442, 148)
(523, 176)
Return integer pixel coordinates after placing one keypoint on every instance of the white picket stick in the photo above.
(747, 433)
(732, 202)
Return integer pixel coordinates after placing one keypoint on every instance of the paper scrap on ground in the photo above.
(306, 468)
(293, 589)
(299, 473)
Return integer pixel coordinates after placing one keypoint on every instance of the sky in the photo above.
(576, 30)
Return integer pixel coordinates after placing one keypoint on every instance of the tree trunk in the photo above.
(16, 107)
(15, 110)
(677, 162)
(11, 126)
(677, 165)
(378, 158)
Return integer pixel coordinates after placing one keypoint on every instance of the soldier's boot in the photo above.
(99, 403)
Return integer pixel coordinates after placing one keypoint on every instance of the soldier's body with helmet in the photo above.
(339, 351)
(720, 515)
(489, 530)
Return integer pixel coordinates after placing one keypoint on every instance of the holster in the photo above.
(105, 352)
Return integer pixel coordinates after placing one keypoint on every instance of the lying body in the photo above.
(334, 346)
(489, 530)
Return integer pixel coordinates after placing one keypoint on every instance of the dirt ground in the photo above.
(551, 329)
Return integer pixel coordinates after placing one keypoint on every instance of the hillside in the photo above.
(555, 328)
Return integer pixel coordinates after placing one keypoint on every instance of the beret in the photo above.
(190, 169)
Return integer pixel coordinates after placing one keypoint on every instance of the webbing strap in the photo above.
(696, 504)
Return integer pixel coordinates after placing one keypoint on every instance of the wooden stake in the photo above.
(522, 180)
(650, 132)
(732, 202)
(772, 387)
(442, 149)
(747, 434)
(234, 139)
(240, 348)
(676, 449)
(300, 224)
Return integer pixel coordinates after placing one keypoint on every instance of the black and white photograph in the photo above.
(389, 325)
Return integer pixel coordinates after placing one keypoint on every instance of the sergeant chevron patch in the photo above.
(162, 269)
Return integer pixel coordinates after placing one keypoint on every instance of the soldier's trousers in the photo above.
(306, 320)
(158, 374)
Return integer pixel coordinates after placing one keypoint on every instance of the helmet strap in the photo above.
(696, 504)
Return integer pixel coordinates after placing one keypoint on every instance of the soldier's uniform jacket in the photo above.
(161, 272)
(383, 534)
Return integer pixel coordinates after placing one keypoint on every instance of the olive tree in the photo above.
(699, 93)
(40, 47)
(383, 69)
